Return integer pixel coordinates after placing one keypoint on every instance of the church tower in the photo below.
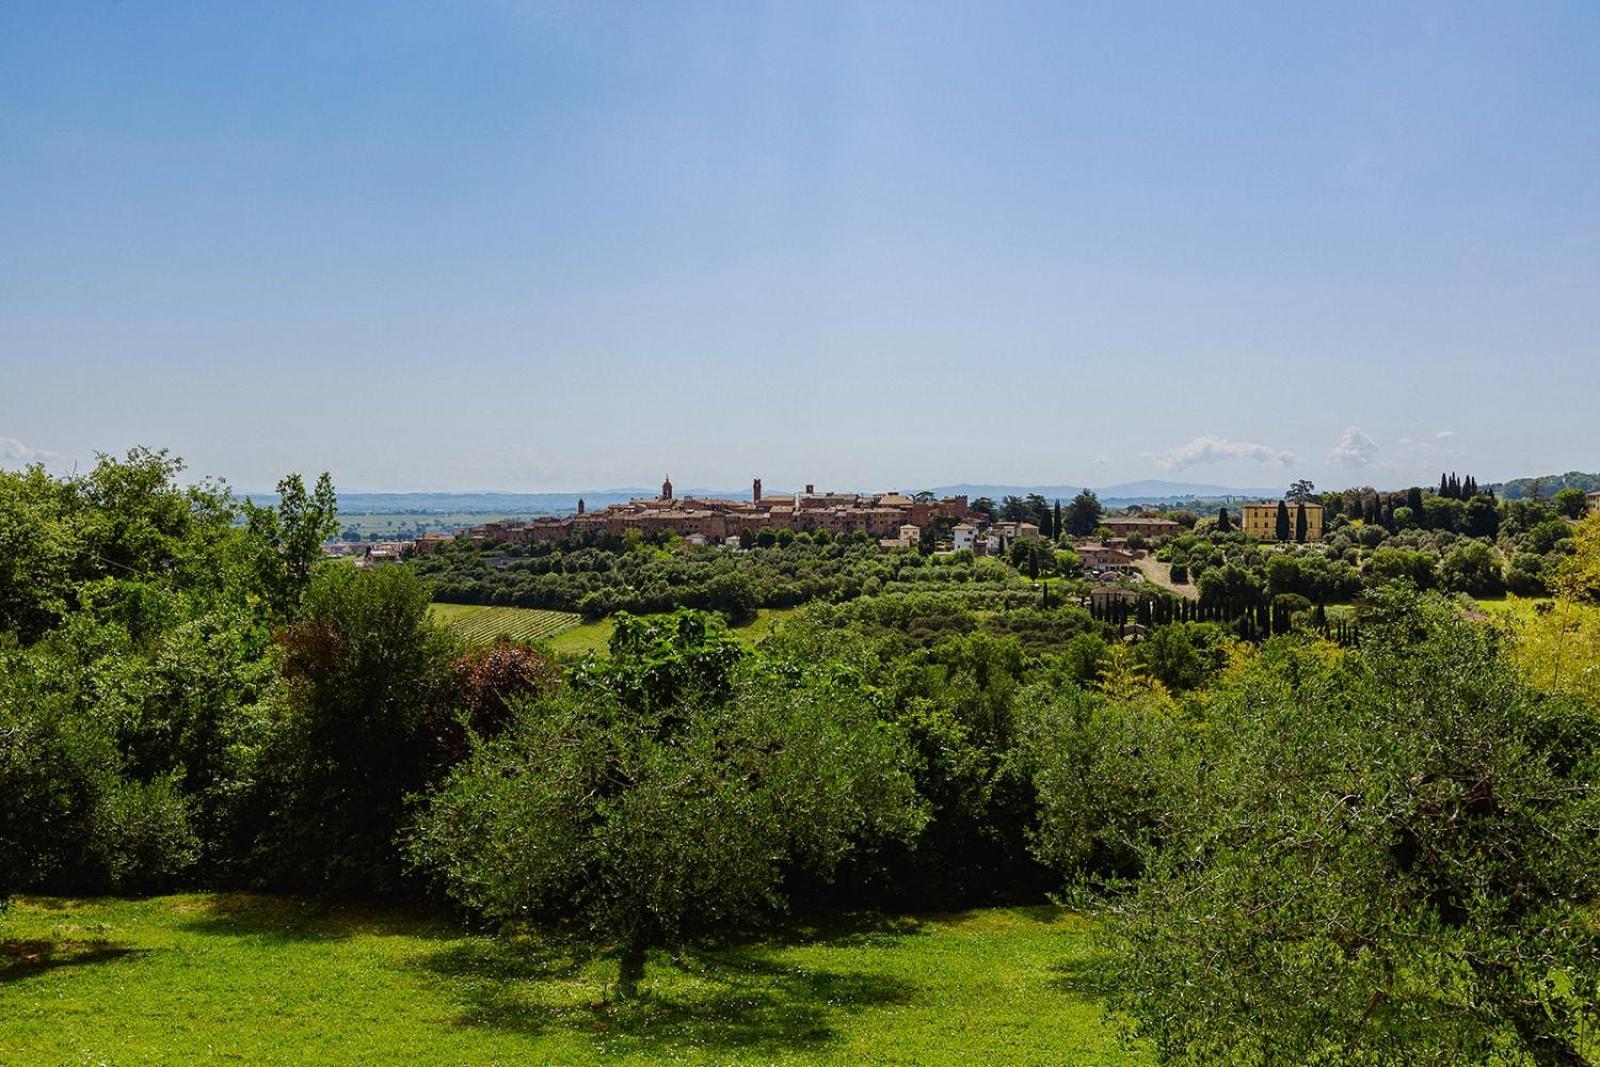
(666, 488)
(755, 492)
(580, 505)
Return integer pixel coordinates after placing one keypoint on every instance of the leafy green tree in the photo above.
(291, 536)
(1184, 655)
(1481, 518)
(1083, 514)
(655, 820)
(1578, 576)
(1571, 502)
(1443, 513)
(1402, 564)
(365, 674)
(1098, 766)
(1547, 535)
(1033, 556)
(1388, 859)
(1300, 491)
(137, 522)
(1038, 509)
(733, 594)
(72, 818)
(1474, 568)
(1228, 584)
(40, 551)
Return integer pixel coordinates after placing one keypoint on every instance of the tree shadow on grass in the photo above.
(285, 919)
(844, 929)
(28, 959)
(1092, 977)
(726, 997)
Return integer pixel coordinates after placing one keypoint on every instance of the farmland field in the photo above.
(481, 624)
(402, 525)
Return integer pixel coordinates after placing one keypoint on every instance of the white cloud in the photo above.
(14, 451)
(1443, 446)
(1102, 460)
(1355, 448)
(1209, 448)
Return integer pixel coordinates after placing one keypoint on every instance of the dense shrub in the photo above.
(365, 674)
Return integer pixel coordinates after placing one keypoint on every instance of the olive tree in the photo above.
(667, 793)
(1389, 857)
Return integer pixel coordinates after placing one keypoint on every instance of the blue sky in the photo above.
(535, 245)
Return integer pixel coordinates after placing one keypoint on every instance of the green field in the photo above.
(241, 978)
(482, 625)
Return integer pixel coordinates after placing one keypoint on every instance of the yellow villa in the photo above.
(1261, 520)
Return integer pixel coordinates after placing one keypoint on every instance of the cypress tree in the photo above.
(1414, 502)
(1283, 521)
(1444, 485)
(1224, 523)
(1300, 522)
(1055, 523)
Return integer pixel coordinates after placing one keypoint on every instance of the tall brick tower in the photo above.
(666, 488)
(755, 492)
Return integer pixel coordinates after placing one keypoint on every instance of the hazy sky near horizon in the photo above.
(531, 244)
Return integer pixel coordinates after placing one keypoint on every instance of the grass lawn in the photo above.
(1510, 605)
(584, 637)
(242, 978)
(595, 636)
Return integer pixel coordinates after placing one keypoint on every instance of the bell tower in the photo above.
(755, 491)
(666, 488)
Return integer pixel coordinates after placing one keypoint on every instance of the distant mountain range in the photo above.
(1147, 492)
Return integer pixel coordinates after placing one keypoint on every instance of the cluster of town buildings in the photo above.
(890, 517)
(893, 518)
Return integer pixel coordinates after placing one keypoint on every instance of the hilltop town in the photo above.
(894, 519)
